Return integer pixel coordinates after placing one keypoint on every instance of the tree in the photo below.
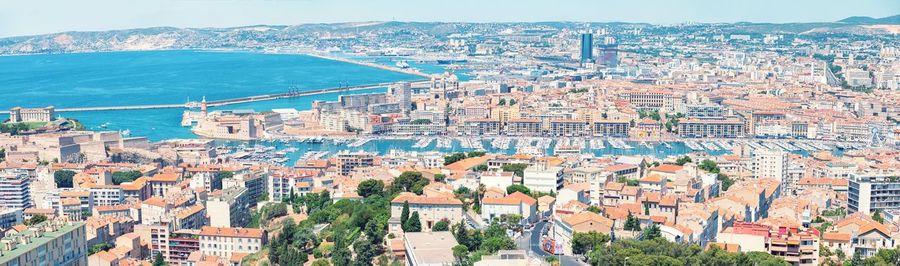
(877, 216)
(370, 187)
(158, 260)
(652, 232)
(502, 102)
(516, 168)
(413, 224)
(440, 178)
(36, 219)
(583, 243)
(455, 157)
(63, 178)
(99, 247)
(125, 176)
(709, 166)
(404, 215)
(473, 154)
(493, 244)
(461, 253)
(632, 223)
(480, 168)
(365, 253)
(409, 181)
(727, 182)
(442, 225)
(518, 188)
(462, 236)
(594, 209)
(683, 160)
(321, 262)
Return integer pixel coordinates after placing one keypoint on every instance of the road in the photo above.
(531, 241)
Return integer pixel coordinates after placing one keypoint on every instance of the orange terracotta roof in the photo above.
(652, 178)
(667, 168)
(837, 236)
(156, 201)
(232, 232)
(416, 199)
(585, 217)
(189, 211)
(164, 177)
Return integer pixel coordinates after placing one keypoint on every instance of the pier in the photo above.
(247, 99)
(269, 97)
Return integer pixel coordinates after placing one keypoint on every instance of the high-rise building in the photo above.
(609, 53)
(54, 242)
(402, 94)
(15, 189)
(873, 192)
(770, 163)
(587, 47)
(229, 207)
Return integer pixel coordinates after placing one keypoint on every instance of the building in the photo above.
(10, 217)
(347, 161)
(711, 128)
(282, 183)
(53, 242)
(769, 163)
(19, 114)
(511, 258)
(160, 183)
(175, 246)
(873, 192)
(431, 210)
(587, 48)
(795, 246)
(429, 248)
(609, 53)
(15, 186)
(402, 94)
(224, 242)
(229, 207)
(513, 204)
(565, 228)
(544, 178)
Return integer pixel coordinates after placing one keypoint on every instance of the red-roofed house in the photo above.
(516, 203)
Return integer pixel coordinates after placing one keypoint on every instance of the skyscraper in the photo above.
(402, 93)
(609, 53)
(587, 47)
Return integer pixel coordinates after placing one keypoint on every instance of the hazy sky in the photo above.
(28, 17)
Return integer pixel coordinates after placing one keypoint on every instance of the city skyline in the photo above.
(43, 17)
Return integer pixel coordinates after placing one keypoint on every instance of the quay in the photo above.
(373, 65)
(247, 99)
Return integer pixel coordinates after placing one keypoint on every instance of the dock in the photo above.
(247, 99)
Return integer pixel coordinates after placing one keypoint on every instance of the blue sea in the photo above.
(175, 77)
(170, 77)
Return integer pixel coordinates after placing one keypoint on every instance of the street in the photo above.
(531, 241)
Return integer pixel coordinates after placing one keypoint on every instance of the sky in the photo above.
(31, 17)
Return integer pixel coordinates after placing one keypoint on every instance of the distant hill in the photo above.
(892, 20)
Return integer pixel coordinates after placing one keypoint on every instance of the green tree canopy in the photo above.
(518, 188)
(370, 187)
(63, 178)
(125, 176)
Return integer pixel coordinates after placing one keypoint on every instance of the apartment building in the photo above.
(873, 192)
(15, 186)
(543, 177)
(711, 128)
(348, 161)
(53, 242)
(431, 210)
(224, 242)
(229, 207)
